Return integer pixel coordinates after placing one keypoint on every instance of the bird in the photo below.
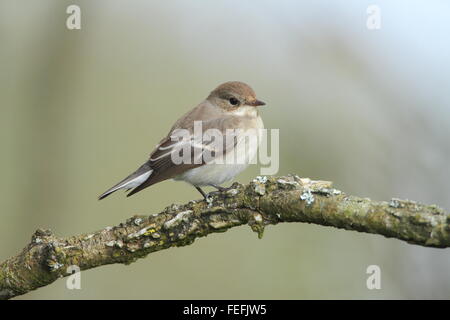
(232, 107)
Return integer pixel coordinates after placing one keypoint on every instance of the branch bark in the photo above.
(258, 204)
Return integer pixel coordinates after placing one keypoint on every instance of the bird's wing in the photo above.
(181, 151)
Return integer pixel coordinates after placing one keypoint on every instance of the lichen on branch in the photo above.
(264, 201)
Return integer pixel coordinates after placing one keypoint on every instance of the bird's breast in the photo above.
(232, 162)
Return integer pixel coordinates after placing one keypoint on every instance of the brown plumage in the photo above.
(218, 111)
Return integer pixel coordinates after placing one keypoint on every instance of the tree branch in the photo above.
(259, 203)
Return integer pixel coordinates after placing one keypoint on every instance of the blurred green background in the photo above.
(367, 109)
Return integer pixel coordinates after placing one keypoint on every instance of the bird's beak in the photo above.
(256, 103)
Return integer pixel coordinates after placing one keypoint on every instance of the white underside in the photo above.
(217, 173)
(212, 174)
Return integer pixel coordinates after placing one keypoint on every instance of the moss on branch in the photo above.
(262, 202)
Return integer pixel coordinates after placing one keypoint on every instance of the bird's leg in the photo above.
(207, 197)
(202, 192)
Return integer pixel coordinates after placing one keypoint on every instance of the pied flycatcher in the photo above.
(229, 110)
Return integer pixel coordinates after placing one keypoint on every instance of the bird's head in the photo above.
(235, 97)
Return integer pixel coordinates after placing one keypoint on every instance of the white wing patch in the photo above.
(134, 182)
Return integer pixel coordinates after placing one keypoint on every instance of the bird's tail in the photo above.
(132, 181)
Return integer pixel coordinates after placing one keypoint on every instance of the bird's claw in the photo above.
(209, 200)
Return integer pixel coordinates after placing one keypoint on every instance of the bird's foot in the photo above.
(209, 200)
(207, 196)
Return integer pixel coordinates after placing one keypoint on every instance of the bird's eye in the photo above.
(234, 101)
